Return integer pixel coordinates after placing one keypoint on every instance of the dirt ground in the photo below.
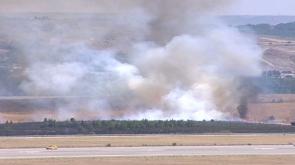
(190, 160)
(146, 140)
(280, 107)
(281, 112)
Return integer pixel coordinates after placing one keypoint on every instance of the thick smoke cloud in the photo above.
(159, 59)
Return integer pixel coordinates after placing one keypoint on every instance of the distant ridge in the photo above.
(236, 20)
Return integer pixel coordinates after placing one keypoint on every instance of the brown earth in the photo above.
(146, 140)
(272, 108)
(175, 160)
(278, 112)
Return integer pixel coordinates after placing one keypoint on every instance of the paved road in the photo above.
(148, 151)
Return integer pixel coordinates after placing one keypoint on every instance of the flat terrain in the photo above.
(234, 149)
(38, 153)
(282, 112)
(173, 160)
(146, 140)
(279, 106)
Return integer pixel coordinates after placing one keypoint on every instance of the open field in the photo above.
(203, 154)
(146, 140)
(282, 112)
(280, 107)
(87, 152)
(271, 98)
(175, 160)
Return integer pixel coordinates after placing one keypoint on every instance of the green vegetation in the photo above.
(281, 30)
(71, 127)
(278, 85)
(272, 82)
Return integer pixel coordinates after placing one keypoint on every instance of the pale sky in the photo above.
(237, 7)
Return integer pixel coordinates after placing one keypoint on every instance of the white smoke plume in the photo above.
(160, 59)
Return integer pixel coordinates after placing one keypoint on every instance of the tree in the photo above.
(73, 120)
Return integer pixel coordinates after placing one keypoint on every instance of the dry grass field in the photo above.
(282, 112)
(279, 106)
(147, 140)
(270, 98)
(189, 160)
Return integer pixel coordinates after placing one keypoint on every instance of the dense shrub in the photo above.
(52, 127)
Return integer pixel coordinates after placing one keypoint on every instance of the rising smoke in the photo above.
(160, 59)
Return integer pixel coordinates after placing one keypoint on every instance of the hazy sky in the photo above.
(262, 7)
(244, 7)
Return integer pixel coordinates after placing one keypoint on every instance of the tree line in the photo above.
(268, 84)
(72, 127)
(281, 30)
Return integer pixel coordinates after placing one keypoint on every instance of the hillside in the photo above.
(236, 20)
(279, 53)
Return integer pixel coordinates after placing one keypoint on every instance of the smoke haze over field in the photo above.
(159, 59)
(100, 6)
